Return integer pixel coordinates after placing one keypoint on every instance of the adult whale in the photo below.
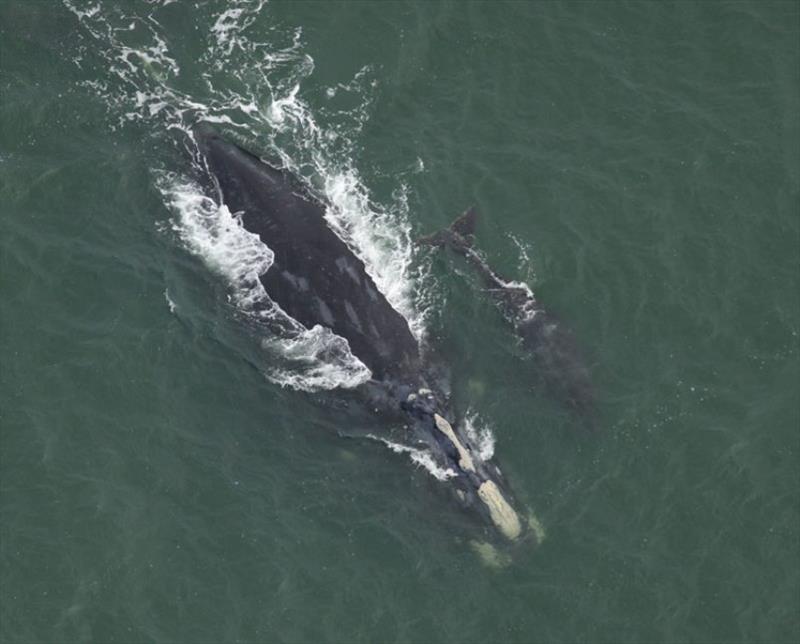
(317, 280)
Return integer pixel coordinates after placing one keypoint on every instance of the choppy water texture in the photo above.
(638, 164)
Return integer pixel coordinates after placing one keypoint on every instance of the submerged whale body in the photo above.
(551, 345)
(317, 280)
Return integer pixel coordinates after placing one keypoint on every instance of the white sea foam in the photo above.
(317, 359)
(516, 285)
(480, 435)
(420, 457)
(524, 251)
(523, 311)
(256, 88)
(234, 20)
(88, 12)
(170, 303)
(382, 241)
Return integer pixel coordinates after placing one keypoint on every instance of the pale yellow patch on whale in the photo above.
(502, 513)
(490, 555)
(465, 460)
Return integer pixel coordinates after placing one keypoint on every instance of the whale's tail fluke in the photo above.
(465, 224)
(460, 234)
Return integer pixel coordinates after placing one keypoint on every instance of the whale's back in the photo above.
(315, 277)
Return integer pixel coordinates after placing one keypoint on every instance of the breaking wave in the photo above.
(250, 78)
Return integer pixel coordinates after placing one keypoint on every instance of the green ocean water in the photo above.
(637, 163)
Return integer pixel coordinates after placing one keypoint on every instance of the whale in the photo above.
(318, 280)
(551, 345)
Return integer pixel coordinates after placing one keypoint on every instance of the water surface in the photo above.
(636, 163)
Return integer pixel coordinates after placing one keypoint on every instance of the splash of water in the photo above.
(480, 435)
(420, 457)
(253, 84)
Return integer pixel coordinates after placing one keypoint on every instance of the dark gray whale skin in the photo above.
(551, 345)
(317, 279)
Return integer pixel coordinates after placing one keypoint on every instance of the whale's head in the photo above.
(477, 482)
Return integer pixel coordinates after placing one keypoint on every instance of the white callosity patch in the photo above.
(503, 515)
(255, 86)
(465, 459)
(501, 512)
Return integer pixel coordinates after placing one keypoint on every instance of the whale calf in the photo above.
(552, 347)
(317, 280)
